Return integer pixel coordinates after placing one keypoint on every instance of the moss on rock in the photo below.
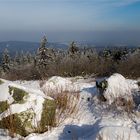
(48, 115)
(26, 118)
(23, 123)
(3, 106)
(18, 94)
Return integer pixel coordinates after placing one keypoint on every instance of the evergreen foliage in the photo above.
(42, 54)
(73, 49)
(6, 61)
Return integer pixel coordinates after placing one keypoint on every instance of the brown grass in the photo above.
(66, 104)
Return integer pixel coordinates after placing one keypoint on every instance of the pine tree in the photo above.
(17, 59)
(73, 49)
(107, 53)
(42, 54)
(6, 60)
(23, 58)
(29, 57)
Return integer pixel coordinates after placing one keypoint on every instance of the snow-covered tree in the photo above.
(73, 49)
(29, 57)
(6, 60)
(23, 58)
(106, 53)
(17, 59)
(43, 54)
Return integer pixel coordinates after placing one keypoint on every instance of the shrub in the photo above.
(28, 72)
(130, 67)
(66, 105)
(123, 104)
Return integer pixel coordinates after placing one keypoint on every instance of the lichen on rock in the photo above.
(26, 118)
(48, 115)
(18, 95)
(19, 123)
(1, 82)
(3, 106)
(14, 125)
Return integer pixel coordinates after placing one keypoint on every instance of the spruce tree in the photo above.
(73, 49)
(28, 57)
(6, 61)
(23, 58)
(17, 60)
(42, 54)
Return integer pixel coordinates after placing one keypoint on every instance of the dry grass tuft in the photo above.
(124, 104)
(66, 105)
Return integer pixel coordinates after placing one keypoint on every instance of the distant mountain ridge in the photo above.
(18, 46)
(14, 46)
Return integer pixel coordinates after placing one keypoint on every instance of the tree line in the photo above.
(74, 61)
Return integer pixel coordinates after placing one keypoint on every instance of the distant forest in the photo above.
(45, 59)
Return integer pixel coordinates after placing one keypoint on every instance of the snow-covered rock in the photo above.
(58, 84)
(118, 86)
(25, 106)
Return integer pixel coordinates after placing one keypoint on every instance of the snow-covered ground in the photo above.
(94, 120)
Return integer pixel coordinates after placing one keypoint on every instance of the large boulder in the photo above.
(116, 86)
(58, 84)
(22, 111)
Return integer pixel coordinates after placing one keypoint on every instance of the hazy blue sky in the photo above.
(99, 21)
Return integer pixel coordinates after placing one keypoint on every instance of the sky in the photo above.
(97, 21)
